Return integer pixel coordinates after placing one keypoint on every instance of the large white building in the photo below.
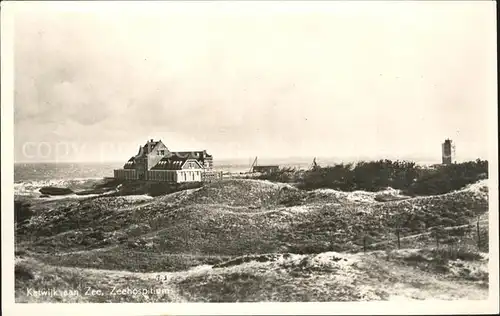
(155, 162)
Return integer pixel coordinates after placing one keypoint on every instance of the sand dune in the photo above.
(223, 221)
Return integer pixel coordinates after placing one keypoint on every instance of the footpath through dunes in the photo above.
(404, 274)
(226, 219)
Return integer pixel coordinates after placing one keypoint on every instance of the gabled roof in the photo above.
(173, 163)
(144, 150)
(198, 155)
(151, 143)
(130, 164)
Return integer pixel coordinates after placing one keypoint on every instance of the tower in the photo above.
(448, 152)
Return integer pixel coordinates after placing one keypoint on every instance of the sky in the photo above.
(351, 80)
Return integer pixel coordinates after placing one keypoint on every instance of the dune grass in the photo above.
(135, 260)
(74, 285)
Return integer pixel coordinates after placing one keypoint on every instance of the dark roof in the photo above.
(153, 145)
(170, 163)
(198, 155)
(130, 164)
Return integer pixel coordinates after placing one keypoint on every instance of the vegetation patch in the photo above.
(178, 223)
(375, 176)
(451, 262)
(135, 260)
(51, 284)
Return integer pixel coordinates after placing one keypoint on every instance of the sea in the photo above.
(29, 178)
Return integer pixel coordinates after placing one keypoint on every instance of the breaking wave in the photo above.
(31, 188)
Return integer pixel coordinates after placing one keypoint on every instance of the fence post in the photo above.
(478, 235)
(399, 241)
(364, 243)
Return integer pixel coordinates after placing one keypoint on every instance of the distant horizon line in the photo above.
(286, 160)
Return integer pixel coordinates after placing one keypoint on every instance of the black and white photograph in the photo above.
(250, 152)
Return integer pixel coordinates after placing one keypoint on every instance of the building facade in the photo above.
(177, 170)
(155, 162)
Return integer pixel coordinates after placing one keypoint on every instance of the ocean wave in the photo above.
(31, 188)
(69, 196)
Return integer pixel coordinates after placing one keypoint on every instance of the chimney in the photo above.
(151, 140)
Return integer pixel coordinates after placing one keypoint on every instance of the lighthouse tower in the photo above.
(448, 152)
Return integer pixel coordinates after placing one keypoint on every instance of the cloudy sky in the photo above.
(331, 79)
